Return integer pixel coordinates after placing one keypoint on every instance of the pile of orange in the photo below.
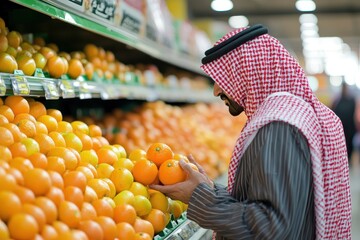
(63, 180)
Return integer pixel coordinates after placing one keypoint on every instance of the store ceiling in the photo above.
(339, 18)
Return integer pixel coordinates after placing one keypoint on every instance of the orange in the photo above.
(37, 109)
(7, 182)
(4, 231)
(71, 162)
(49, 233)
(25, 195)
(108, 226)
(122, 179)
(15, 131)
(95, 131)
(75, 68)
(103, 141)
(69, 214)
(60, 227)
(176, 208)
(18, 104)
(103, 208)
(40, 60)
(49, 121)
(8, 63)
(56, 179)
(91, 51)
(142, 236)
(48, 207)
(159, 152)
(104, 170)
(112, 188)
(144, 226)
(18, 149)
(47, 53)
(124, 163)
(92, 229)
(74, 194)
(124, 197)
(19, 178)
(27, 127)
(89, 70)
(64, 127)
(38, 180)
(125, 231)
(106, 155)
(157, 218)
(91, 167)
(90, 194)
(124, 213)
(6, 138)
(36, 212)
(159, 201)
(56, 164)
(58, 139)
(7, 112)
(14, 39)
(144, 171)
(41, 128)
(20, 116)
(56, 66)
(86, 171)
(73, 141)
(139, 189)
(45, 142)
(4, 45)
(142, 205)
(53, 46)
(75, 178)
(26, 64)
(96, 143)
(80, 126)
(87, 211)
(55, 114)
(5, 153)
(56, 195)
(21, 164)
(23, 226)
(10, 205)
(89, 156)
(32, 146)
(101, 188)
(137, 154)
(3, 120)
(170, 172)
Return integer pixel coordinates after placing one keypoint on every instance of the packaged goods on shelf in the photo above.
(130, 15)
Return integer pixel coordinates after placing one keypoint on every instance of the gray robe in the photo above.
(273, 193)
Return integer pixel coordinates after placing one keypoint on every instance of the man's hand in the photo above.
(182, 191)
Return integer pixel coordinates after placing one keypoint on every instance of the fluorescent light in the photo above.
(238, 21)
(305, 5)
(222, 5)
(308, 18)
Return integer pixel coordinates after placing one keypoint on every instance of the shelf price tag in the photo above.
(51, 89)
(20, 84)
(2, 87)
(84, 91)
(67, 89)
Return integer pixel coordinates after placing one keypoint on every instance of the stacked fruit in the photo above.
(62, 180)
(207, 131)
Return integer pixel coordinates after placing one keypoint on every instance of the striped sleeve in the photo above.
(273, 196)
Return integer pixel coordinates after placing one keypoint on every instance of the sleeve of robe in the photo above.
(278, 191)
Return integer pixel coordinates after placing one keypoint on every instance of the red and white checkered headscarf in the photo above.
(268, 82)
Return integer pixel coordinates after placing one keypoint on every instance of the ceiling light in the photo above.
(222, 5)
(308, 18)
(305, 5)
(238, 21)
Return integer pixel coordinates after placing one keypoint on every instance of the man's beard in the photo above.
(234, 108)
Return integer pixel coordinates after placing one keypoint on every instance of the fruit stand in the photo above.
(92, 104)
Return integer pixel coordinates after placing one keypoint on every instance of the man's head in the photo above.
(253, 70)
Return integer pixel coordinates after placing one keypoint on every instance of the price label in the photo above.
(84, 91)
(39, 73)
(20, 85)
(67, 89)
(51, 89)
(2, 87)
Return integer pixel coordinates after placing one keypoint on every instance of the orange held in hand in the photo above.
(159, 152)
(170, 172)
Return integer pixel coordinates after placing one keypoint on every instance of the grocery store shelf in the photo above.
(56, 9)
(12, 84)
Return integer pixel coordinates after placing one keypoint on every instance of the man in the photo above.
(288, 175)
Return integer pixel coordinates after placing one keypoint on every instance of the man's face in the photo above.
(234, 108)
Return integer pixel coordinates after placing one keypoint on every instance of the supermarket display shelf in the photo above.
(64, 13)
(13, 84)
